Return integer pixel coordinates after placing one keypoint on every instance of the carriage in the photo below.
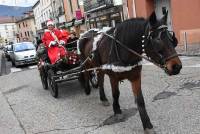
(63, 70)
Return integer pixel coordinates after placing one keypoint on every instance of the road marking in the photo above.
(14, 69)
(194, 65)
(185, 58)
(32, 67)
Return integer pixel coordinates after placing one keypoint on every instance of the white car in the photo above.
(23, 53)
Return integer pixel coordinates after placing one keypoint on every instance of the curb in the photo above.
(1, 53)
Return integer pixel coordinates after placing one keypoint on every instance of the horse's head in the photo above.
(161, 43)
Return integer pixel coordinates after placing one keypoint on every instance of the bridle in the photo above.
(161, 29)
(147, 38)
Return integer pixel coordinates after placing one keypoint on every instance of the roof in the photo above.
(7, 19)
(24, 18)
(36, 4)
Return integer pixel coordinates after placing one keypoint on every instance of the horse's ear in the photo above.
(153, 19)
(164, 18)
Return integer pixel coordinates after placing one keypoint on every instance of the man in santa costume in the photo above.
(53, 41)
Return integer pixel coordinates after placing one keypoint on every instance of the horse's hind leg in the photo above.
(103, 98)
(136, 86)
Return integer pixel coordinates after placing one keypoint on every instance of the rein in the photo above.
(134, 52)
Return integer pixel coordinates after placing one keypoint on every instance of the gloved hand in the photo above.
(62, 42)
(52, 43)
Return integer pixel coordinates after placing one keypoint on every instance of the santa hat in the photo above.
(50, 22)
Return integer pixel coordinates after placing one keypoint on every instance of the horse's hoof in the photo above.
(87, 92)
(105, 103)
(149, 131)
(119, 117)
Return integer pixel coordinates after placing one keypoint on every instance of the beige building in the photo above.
(8, 30)
(26, 28)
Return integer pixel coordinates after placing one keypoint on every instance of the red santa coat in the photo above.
(54, 52)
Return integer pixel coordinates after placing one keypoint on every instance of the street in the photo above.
(172, 103)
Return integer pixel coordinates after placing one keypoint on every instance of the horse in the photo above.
(119, 52)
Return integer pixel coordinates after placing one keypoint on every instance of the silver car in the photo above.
(23, 53)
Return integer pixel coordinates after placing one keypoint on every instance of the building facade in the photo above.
(104, 12)
(26, 28)
(8, 30)
(43, 10)
(182, 16)
(74, 14)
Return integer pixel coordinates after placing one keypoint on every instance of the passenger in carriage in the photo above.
(53, 41)
(72, 37)
(65, 33)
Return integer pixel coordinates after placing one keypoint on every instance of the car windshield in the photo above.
(23, 47)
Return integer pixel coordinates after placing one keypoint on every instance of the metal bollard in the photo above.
(185, 42)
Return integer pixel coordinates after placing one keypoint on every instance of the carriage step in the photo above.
(66, 79)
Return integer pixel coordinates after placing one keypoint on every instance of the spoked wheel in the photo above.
(94, 79)
(43, 76)
(52, 84)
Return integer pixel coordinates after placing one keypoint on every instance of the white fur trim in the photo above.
(50, 23)
(96, 39)
(78, 49)
(104, 29)
(46, 30)
(62, 42)
(50, 43)
(120, 69)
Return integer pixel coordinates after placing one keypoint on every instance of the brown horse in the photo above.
(119, 56)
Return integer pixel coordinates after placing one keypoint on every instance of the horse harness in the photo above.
(147, 37)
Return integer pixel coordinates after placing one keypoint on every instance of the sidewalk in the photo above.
(191, 49)
(8, 120)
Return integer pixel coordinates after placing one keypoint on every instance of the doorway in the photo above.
(162, 6)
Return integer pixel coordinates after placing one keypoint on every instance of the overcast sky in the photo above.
(23, 3)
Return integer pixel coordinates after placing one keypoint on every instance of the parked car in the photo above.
(23, 53)
(7, 51)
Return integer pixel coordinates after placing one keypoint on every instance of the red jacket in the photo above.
(54, 52)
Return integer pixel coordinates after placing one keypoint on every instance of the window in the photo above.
(6, 28)
(23, 24)
(28, 33)
(70, 2)
(21, 34)
(19, 25)
(25, 34)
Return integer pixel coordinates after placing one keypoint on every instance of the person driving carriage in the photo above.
(53, 40)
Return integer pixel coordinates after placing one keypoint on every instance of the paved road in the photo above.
(172, 103)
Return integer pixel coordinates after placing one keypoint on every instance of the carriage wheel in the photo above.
(43, 77)
(52, 84)
(93, 79)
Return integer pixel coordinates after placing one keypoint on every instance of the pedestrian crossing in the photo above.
(14, 69)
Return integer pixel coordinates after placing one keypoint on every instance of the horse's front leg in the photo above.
(115, 93)
(136, 86)
(102, 95)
